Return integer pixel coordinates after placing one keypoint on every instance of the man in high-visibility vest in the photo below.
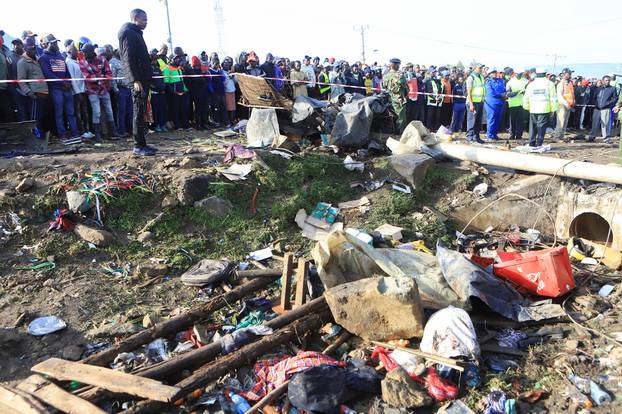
(566, 103)
(323, 78)
(475, 103)
(515, 89)
(541, 102)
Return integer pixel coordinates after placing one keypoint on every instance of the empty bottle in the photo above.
(241, 405)
(599, 395)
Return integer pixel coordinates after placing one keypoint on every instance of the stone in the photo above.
(25, 185)
(150, 270)
(98, 237)
(412, 167)
(399, 390)
(78, 201)
(380, 308)
(145, 236)
(215, 205)
(72, 353)
(188, 163)
(191, 187)
(571, 345)
(151, 319)
(169, 202)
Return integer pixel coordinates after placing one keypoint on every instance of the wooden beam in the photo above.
(20, 402)
(178, 323)
(301, 283)
(111, 380)
(241, 274)
(57, 397)
(211, 372)
(286, 284)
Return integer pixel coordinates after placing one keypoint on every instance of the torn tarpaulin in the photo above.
(353, 122)
(304, 107)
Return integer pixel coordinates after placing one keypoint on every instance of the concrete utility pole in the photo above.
(555, 57)
(220, 26)
(362, 28)
(168, 21)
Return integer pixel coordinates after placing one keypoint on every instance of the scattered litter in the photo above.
(238, 151)
(281, 152)
(529, 149)
(606, 290)
(237, 172)
(209, 271)
(226, 133)
(391, 232)
(480, 189)
(241, 126)
(39, 266)
(361, 235)
(347, 205)
(260, 255)
(509, 338)
(62, 221)
(352, 165)
(46, 325)
(402, 188)
(315, 229)
(589, 261)
(450, 333)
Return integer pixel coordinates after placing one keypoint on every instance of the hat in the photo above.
(30, 44)
(153, 52)
(49, 39)
(395, 61)
(88, 48)
(29, 33)
(409, 65)
(540, 70)
(307, 57)
(566, 70)
(16, 41)
(179, 51)
(445, 73)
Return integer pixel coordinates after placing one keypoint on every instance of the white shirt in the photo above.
(309, 74)
(74, 71)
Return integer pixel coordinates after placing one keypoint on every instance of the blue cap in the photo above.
(395, 61)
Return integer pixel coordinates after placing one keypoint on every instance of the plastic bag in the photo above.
(450, 333)
(46, 325)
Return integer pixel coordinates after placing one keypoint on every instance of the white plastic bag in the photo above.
(450, 333)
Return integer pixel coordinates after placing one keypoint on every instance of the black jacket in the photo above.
(134, 54)
(606, 97)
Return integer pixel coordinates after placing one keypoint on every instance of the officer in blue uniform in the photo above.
(494, 103)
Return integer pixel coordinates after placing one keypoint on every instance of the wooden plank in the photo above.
(301, 283)
(178, 323)
(20, 402)
(57, 397)
(106, 378)
(452, 363)
(286, 282)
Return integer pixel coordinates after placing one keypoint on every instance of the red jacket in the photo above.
(98, 68)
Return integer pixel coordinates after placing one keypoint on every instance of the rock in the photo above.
(150, 270)
(191, 187)
(382, 309)
(169, 202)
(145, 236)
(399, 390)
(78, 201)
(571, 345)
(413, 167)
(215, 205)
(98, 237)
(25, 185)
(188, 163)
(114, 329)
(72, 353)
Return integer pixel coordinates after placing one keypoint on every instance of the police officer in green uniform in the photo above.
(396, 85)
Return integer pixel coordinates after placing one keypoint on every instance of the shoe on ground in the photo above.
(144, 152)
(607, 141)
(150, 148)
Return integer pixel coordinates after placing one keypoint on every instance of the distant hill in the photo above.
(594, 70)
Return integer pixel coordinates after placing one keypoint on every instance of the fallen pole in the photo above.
(534, 163)
(178, 323)
(211, 372)
(241, 274)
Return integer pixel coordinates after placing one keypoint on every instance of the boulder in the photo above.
(191, 187)
(381, 308)
(215, 205)
(25, 185)
(150, 270)
(399, 390)
(413, 167)
(78, 201)
(98, 237)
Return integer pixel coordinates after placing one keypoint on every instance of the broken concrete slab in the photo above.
(190, 186)
(78, 201)
(382, 308)
(98, 237)
(215, 205)
(413, 167)
(400, 390)
(150, 270)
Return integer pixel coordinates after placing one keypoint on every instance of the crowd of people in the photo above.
(123, 91)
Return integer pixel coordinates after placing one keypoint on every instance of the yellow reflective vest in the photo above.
(516, 85)
(478, 90)
(540, 97)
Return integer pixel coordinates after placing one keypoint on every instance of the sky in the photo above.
(550, 33)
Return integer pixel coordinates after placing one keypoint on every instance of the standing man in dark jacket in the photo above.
(606, 97)
(137, 67)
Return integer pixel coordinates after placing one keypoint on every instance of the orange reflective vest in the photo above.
(565, 93)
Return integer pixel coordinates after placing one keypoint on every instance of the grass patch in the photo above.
(128, 211)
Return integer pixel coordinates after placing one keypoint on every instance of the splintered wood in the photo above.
(257, 92)
(106, 378)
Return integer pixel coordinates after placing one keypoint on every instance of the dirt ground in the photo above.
(86, 295)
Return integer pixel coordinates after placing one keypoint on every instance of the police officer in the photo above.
(475, 102)
(541, 102)
(397, 87)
